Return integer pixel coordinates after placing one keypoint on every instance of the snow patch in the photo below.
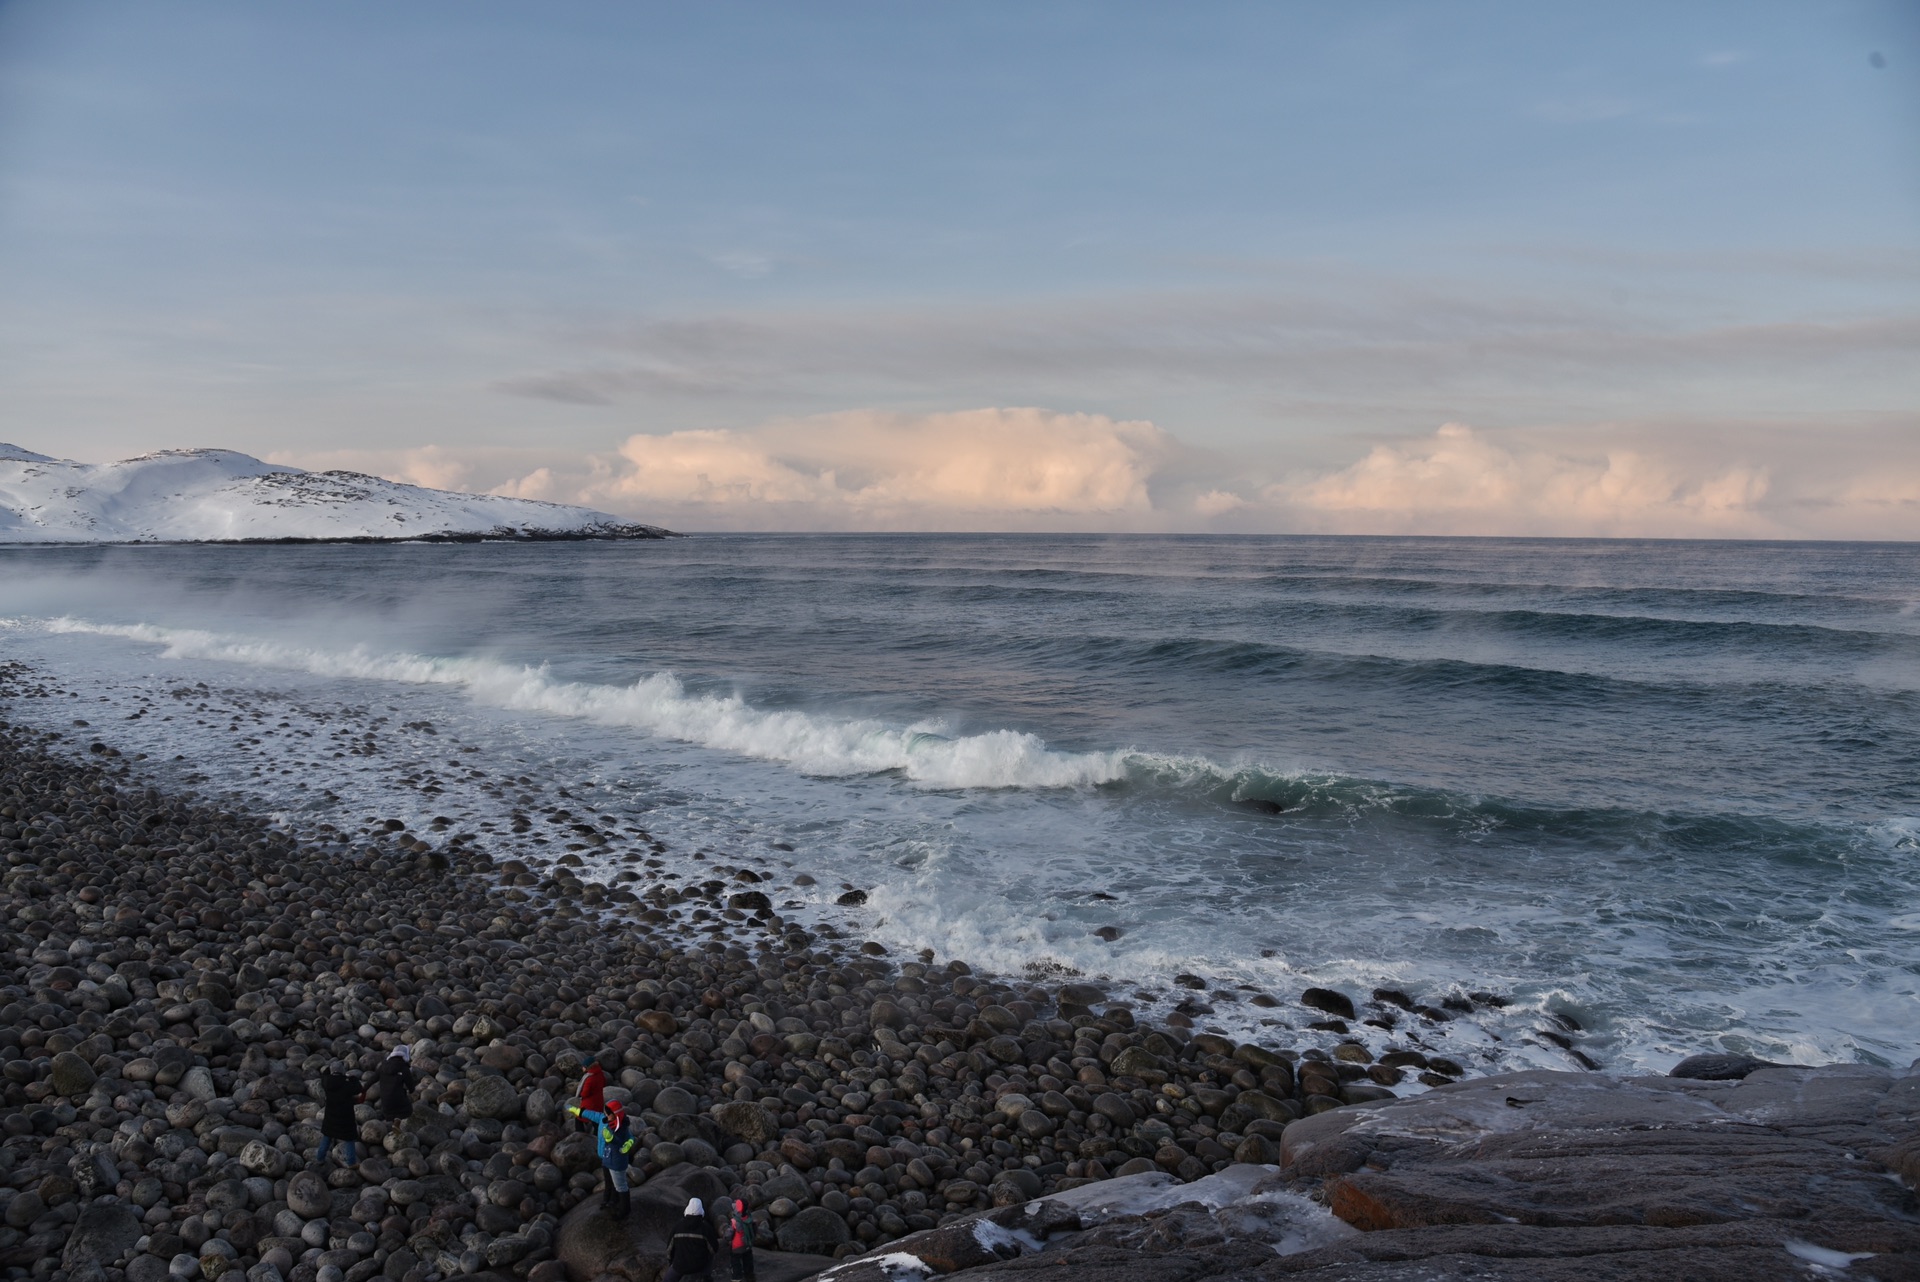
(1825, 1257)
(1243, 1209)
(899, 1266)
(1004, 1242)
(1154, 1191)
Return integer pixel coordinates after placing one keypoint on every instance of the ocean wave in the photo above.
(661, 704)
(925, 754)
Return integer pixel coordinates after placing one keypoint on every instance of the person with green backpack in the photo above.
(740, 1243)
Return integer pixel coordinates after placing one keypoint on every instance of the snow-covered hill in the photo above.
(220, 496)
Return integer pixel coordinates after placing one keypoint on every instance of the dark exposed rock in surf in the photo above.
(1719, 1068)
(1328, 1000)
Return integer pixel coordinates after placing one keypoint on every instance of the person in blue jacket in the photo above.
(616, 1142)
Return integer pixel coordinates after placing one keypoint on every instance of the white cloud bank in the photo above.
(1037, 469)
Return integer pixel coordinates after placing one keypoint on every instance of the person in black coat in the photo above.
(393, 1085)
(690, 1253)
(341, 1091)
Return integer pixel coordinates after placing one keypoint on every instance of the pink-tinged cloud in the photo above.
(868, 468)
(1461, 482)
(436, 467)
(1037, 469)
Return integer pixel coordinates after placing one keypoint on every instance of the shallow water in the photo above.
(1669, 790)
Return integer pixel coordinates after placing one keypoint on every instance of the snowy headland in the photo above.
(222, 496)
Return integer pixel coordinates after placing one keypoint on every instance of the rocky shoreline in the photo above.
(173, 976)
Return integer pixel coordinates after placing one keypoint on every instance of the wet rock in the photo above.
(1718, 1068)
(1083, 995)
(1263, 1105)
(1330, 1001)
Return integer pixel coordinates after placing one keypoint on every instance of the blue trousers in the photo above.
(348, 1147)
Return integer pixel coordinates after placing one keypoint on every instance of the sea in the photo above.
(1587, 802)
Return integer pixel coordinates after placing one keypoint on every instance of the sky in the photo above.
(1452, 268)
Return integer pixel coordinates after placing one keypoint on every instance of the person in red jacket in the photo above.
(593, 1092)
(740, 1243)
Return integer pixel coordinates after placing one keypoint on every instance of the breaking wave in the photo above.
(662, 705)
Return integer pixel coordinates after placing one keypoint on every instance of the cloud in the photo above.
(1461, 482)
(1218, 503)
(1327, 355)
(1038, 469)
(994, 466)
(437, 467)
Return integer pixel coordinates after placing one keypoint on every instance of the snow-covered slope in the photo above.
(208, 496)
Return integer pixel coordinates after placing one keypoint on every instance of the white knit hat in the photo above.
(694, 1207)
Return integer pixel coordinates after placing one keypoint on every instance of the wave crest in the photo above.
(661, 704)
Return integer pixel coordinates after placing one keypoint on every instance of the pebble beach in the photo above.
(176, 975)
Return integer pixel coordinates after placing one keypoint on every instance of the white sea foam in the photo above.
(660, 704)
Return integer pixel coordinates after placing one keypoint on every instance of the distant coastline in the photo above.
(629, 534)
(223, 496)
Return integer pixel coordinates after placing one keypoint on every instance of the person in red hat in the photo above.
(616, 1142)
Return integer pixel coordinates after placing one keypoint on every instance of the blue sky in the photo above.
(1237, 264)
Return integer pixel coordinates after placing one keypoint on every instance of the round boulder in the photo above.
(308, 1196)
(71, 1075)
(261, 1158)
(814, 1231)
(198, 1083)
(1134, 1060)
(1263, 1105)
(25, 1209)
(749, 1121)
(494, 1097)
(147, 1268)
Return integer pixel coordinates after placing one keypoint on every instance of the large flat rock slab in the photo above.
(1768, 1175)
